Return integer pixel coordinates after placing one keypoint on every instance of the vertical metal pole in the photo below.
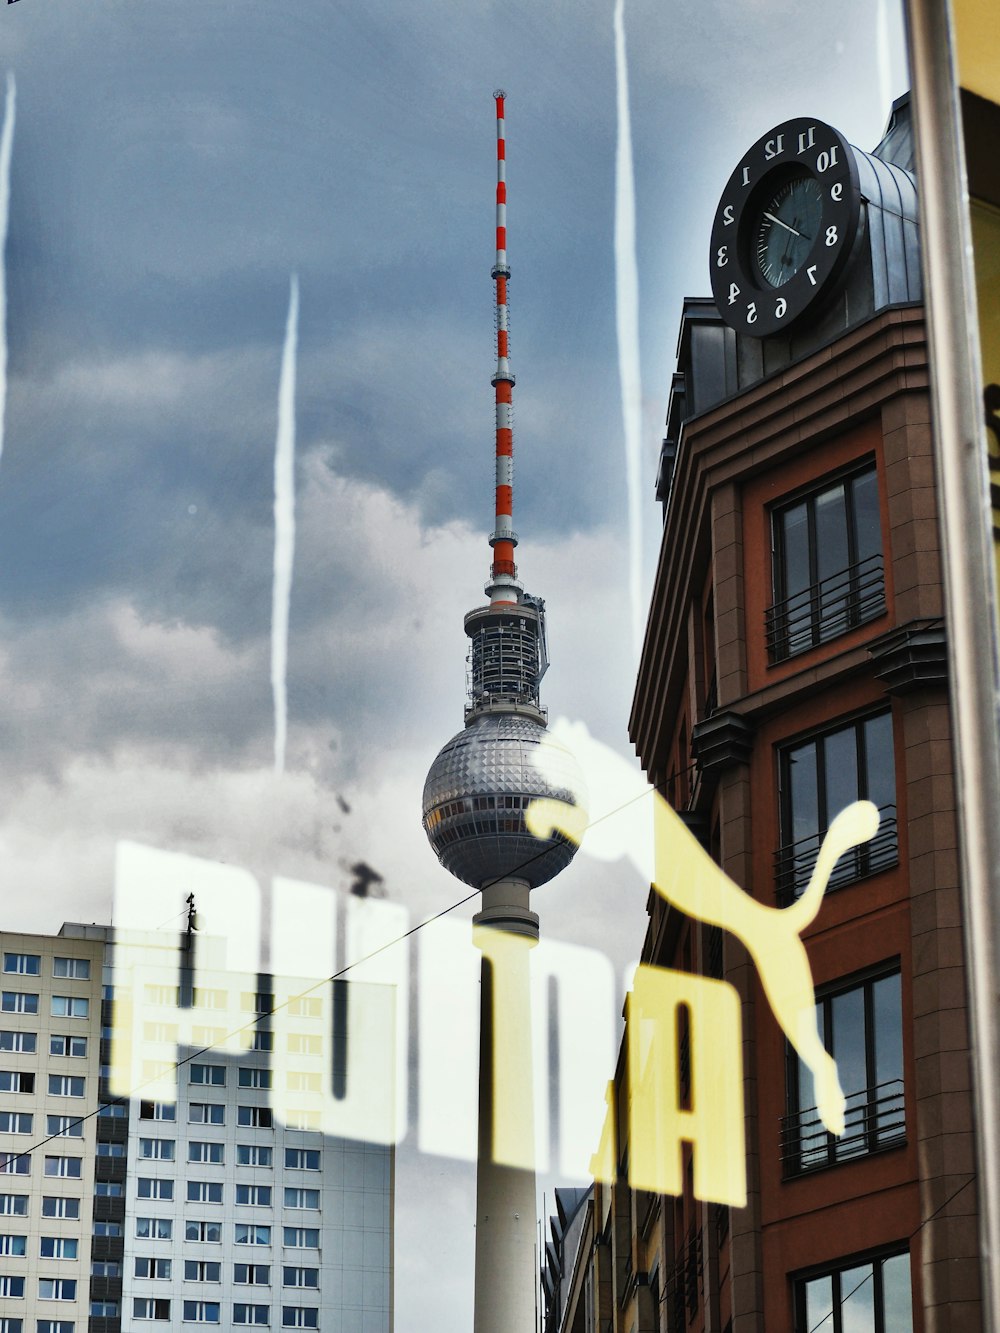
(963, 490)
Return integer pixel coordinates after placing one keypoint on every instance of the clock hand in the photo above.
(771, 218)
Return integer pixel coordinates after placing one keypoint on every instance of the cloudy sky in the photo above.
(173, 164)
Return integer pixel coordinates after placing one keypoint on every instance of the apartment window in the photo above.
(62, 1045)
(150, 1307)
(257, 1196)
(299, 1277)
(18, 1002)
(23, 1042)
(827, 562)
(65, 1126)
(163, 995)
(16, 1326)
(258, 1002)
(113, 1111)
(55, 1205)
(262, 1040)
(250, 1314)
(214, 1075)
(201, 1312)
(250, 1233)
(300, 1081)
(47, 1326)
(105, 1268)
(255, 1078)
(205, 1037)
(66, 1085)
(13, 1205)
(154, 1228)
(79, 968)
(209, 1232)
(12, 1287)
(15, 1164)
(206, 1113)
(16, 1122)
(16, 1080)
(870, 1294)
(152, 1187)
(818, 777)
(111, 1150)
(158, 1269)
(303, 1238)
(70, 1006)
(204, 1191)
(252, 1275)
(202, 1270)
(861, 1026)
(58, 1247)
(305, 1006)
(24, 964)
(299, 1198)
(254, 1117)
(301, 1043)
(157, 1149)
(253, 1154)
(213, 1153)
(104, 1309)
(157, 1111)
(14, 1245)
(302, 1159)
(297, 1316)
(162, 1032)
(57, 1288)
(107, 1229)
(209, 999)
(109, 1189)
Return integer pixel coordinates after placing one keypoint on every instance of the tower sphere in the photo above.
(476, 795)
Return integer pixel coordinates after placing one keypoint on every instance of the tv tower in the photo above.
(474, 803)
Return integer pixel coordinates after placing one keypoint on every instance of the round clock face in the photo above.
(785, 227)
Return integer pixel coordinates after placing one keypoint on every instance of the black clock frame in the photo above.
(746, 300)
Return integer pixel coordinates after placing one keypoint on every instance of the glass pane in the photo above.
(896, 1295)
(857, 1300)
(867, 526)
(802, 793)
(831, 532)
(840, 762)
(794, 527)
(888, 1025)
(879, 760)
(848, 1046)
(819, 1305)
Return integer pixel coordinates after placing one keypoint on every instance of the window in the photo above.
(204, 1191)
(114, 1110)
(297, 1198)
(302, 1044)
(206, 1152)
(157, 1149)
(79, 968)
(104, 1309)
(202, 1270)
(262, 1040)
(150, 1307)
(15, 1164)
(66, 1085)
(70, 1006)
(215, 1075)
(14, 1205)
(49, 1326)
(165, 995)
(255, 1078)
(57, 1206)
(157, 1111)
(827, 564)
(305, 1006)
(255, 1117)
(111, 1150)
(16, 1122)
(818, 778)
(303, 1238)
(107, 1228)
(201, 1312)
(16, 1080)
(861, 1026)
(151, 1187)
(24, 964)
(25, 1042)
(298, 1080)
(66, 1126)
(252, 1275)
(109, 1189)
(252, 1154)
(296, 1316)
(302, 1159)
(16, 1326)
(300, 1277)
(12, 1287)
(154, 1228)
(14, 1245)
(258, 1002)
(18, 1002)
(249, 1233)
(206, 1113)
(209, 1232)
(871, 1294)
(57, 1288)
(257, 1196)
(250, 1314)
(58, 1247)
(209, 999)
(153, 1268)
(105, 1268)
(61, 1045)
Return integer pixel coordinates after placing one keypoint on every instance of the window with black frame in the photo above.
(828, 568)
(862, 1296)
(817, 778)
(861, 1025)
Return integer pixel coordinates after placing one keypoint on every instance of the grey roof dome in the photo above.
(476, 794)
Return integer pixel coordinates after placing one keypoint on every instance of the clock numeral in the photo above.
(727, 216)
(746, 176)
(774, 147)
(752, 312)
(734, 291)
(811, 273)
(807, 138)
(780, 308)
(836, 191)
(722, 258)
(831, 235)
(826, 160)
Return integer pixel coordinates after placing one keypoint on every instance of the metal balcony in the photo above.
(794, 863)
(833, 606)
(875, 1120)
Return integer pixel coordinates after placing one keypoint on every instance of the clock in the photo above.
(785, 227)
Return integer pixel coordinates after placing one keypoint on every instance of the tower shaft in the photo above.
(503, 588)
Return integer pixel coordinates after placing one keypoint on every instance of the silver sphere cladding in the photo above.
(476, 795)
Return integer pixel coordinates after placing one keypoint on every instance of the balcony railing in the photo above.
(874, 1120)
(834, 605)
(794, 863)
